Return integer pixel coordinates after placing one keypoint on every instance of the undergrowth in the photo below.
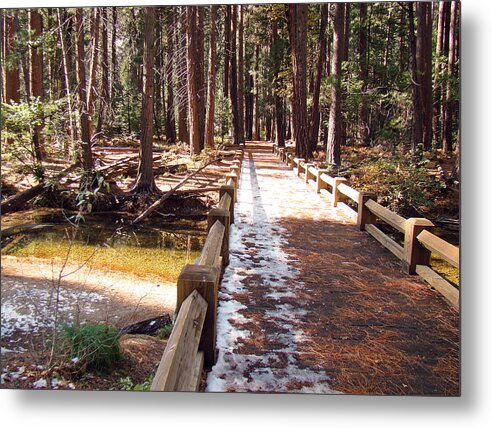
(93, 345)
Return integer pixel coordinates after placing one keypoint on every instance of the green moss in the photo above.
(448, 272)
(165, 263)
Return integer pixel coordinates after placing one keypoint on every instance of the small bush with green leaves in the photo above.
(126, 384)
(165, 332)
(93, 344)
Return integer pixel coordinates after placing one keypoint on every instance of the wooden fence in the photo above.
(191, 344)
(418, 243)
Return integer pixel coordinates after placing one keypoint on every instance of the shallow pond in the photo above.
(106, 242)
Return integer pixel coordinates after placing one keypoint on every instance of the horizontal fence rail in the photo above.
(191, 345)
(419, 241)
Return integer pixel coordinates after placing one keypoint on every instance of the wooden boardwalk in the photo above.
(309, 303)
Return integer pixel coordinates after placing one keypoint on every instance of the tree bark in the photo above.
(36, 76)
(145, 176)
(424, 74)
(104, 100)
(114, 61)
(346, 32)
(256, 110)
(82, 91)
(212, 70)
(91, 88)
(315, 116)
(278, 83)
(11, 69)
(170, 122)
(233, 79)
(240, 75)
(363, 126)
(227, 51)
(183, 135)
(448, 103)
(436, 119)
(335, 122)
(191, 36)
(417, 130)
(68, 92)
(200, 75)
(298, 42)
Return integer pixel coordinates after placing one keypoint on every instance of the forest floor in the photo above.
(89, 296)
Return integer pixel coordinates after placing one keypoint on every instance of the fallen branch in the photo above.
(19, 200)
(171, 192)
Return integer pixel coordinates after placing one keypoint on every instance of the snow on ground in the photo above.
(30, 310)
(258, 264)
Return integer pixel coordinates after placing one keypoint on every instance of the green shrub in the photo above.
(126, 384)
(165, 332)
(93, 344)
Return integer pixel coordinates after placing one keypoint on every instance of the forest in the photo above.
(342, 82)
(124, 130)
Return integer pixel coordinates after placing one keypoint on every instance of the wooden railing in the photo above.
(418, 241)
(192, 342)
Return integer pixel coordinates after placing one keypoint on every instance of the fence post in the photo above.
(232, 175)
(320, 184)
(413, 253)
(229, 190)
(299, 160)
(224, 217)
(336, 195)
(306, 177)
(364, 216)
(204, 279)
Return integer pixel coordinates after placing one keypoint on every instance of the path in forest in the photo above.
(310, 304)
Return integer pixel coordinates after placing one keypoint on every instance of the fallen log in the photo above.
(171, 192)
(23, 228)
(17, 201)
(149, 327)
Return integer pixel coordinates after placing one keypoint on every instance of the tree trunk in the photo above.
(114, 62)
(346, 33)
(200, 75)
(436, 119)
(256, 110)
(191, 36)
(36, 76)
(363, 126)
(170, 122)
(227, 51)
(417, 130)
(145, 176)
(335, 122)
(298, 41)
(448, 103)
(278, 81)
(82, 89)
(61, 35)
(319, 74)
(11, 69)
(424, 64)
(104, 100)
(212, 70)
(233, 80)
(240, 75)
(91, 88)
(183, 135)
